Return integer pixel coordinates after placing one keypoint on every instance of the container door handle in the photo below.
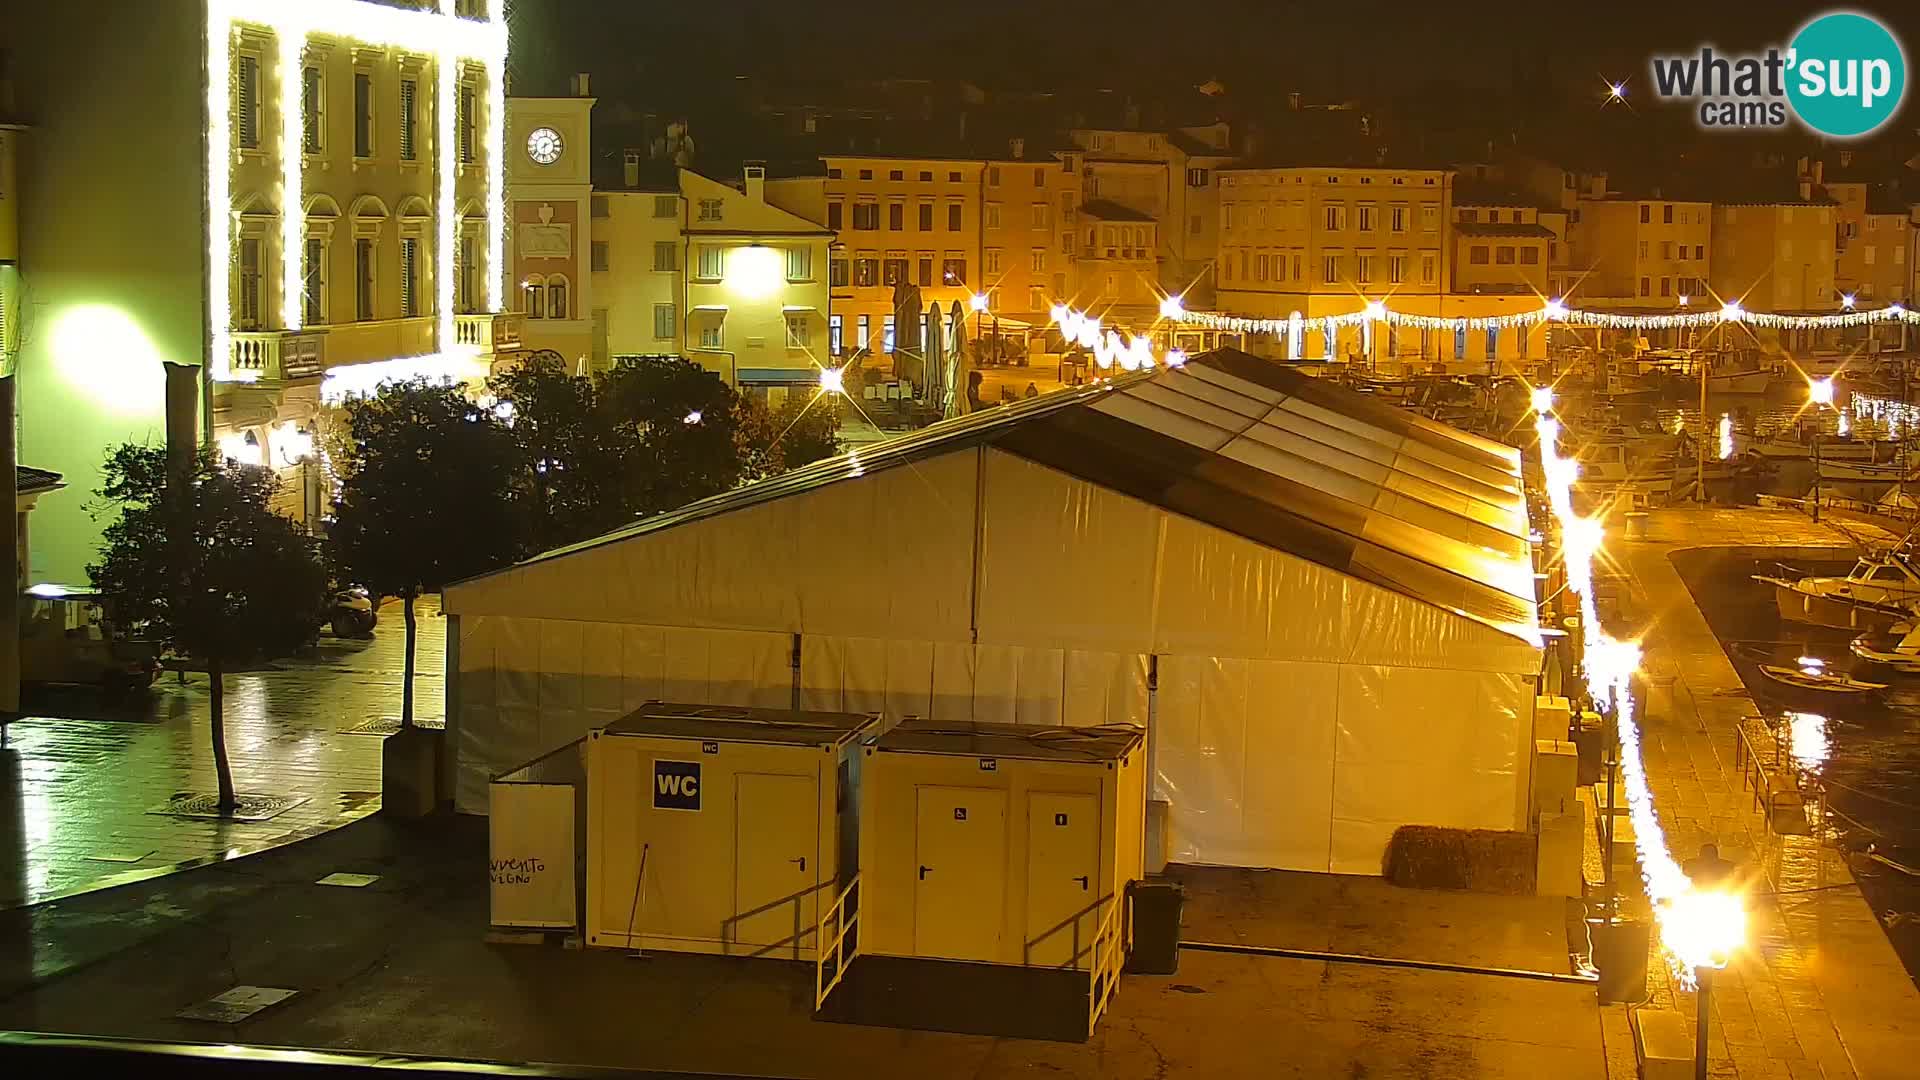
(923, 872)
(802, 860)
(1082, 879)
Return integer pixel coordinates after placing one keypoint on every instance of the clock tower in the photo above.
(549, 211)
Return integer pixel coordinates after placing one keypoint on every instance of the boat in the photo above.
(1865, 472)
(1813, 679)
(1874, 595)
(1896, 649)
(1799, 445)
(1736, 372)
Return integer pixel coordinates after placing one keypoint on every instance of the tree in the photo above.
(214, 573)
(581, 466)
(428, 496)
(801, 431)
(684, 420)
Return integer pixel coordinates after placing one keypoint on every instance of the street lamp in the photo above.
(1819, 395)
(978, 302)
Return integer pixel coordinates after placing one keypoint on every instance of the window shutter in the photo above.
(247, 71)
(408, 91)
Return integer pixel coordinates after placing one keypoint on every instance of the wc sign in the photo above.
(676, 785)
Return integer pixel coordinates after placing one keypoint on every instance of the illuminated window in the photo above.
(894, 270)
(866, 329)
(866, 270)
(834, 329)
(953, 271)
(533, 296)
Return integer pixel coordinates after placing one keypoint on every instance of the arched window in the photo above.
(557, 297)
(533, 295)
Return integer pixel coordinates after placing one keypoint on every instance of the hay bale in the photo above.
(1476, 860)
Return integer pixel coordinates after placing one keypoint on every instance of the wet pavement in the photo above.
(81, 776)
(401, 966)
(1819, 991)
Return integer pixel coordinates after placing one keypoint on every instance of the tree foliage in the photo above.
(800, 431)
(430, 495)
(213, 572)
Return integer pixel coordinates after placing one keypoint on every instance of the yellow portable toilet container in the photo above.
(997, 844)
(717, 829)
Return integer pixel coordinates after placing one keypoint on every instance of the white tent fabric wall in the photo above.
(1301, 714)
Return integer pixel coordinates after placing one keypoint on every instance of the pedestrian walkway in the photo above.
(1818, 992)
(81, 777)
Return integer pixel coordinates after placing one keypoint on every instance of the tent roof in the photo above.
(1284, 459)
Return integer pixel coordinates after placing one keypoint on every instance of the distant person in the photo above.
(1709, 870)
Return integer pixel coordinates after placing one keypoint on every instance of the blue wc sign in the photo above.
(676, 785)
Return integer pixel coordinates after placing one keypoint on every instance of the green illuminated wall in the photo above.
(113, 254)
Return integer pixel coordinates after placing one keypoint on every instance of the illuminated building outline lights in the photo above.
(444, 37)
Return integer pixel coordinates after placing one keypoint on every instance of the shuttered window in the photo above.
(246, 76)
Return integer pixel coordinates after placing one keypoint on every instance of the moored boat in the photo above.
(1811, 680)
(1874, 595)
(1896, 649)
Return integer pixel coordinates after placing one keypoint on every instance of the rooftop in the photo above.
(1508, 229)
(28, 480)
(726, 723)
(1018, 741)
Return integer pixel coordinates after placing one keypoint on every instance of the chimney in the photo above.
(755, 174)
(581, 85)
(630, 169)
(1017, 147)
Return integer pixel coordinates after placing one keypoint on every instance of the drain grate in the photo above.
(206, 805)
(348, 881)
(388, 725)
(237, 1004)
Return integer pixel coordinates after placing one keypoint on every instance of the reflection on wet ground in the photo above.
(82, 774)
(1868, 756)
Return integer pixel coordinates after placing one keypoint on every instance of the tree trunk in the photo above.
(216, 697)
(406, 689)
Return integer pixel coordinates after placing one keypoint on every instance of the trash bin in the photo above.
(1620, 954)
(1156, 927)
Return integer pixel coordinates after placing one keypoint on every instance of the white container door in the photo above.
(776, 848)
(960, 884)
(1063, 878)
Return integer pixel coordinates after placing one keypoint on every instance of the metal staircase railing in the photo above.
(1104, 965)
(836, 951)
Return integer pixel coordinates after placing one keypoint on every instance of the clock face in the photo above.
(543, 146)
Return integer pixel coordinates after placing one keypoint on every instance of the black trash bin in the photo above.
(1156, 927)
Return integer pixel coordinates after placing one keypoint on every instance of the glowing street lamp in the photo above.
(1616, 91)
(1846, 301)
(1820, 396)
(1542, 399)
(832, 381)
(1171, 308)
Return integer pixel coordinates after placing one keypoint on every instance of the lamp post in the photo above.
(1819, 395)
(978, 302)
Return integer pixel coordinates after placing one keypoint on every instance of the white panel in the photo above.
(1287, 801)
(1041, 679)
(562, 650)
(644, 663)
(909, 679)
(747, 669)
(478, 745)
(996, 684)
(1420, 747)
(603, 670)
(1199, 757)
(1064, 563)
(1104, 688)
(477, 661)
(865, 686)
(908, 573)
(688, 667)
(517, 654)
(1223, 595)
(953, 682)
(823, 663)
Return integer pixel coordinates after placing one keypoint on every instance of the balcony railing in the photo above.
(277, 355)
(489, 333)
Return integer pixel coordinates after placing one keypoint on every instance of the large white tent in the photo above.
(1321, 607)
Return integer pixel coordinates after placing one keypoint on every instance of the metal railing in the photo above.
(277, 354)
(835, 952)
(489, 332)
(1104, 965)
